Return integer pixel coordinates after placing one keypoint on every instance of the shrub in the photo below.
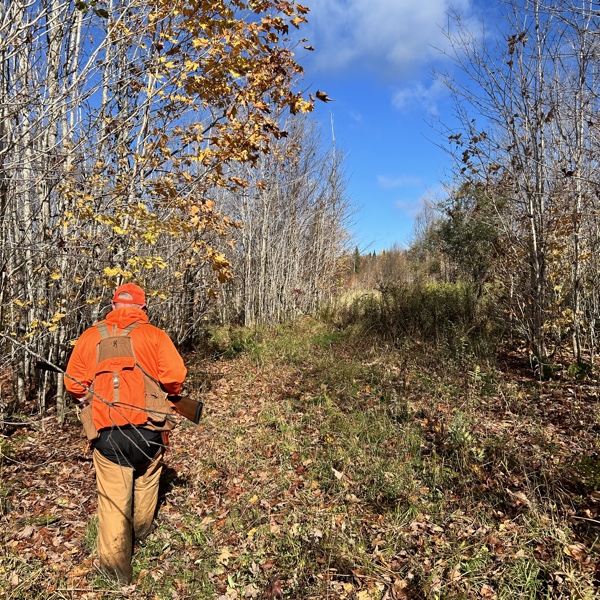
(446, 315)
(230, 341)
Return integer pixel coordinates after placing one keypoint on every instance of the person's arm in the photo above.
(171, 369)
(77, 378)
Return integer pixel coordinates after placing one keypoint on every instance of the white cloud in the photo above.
(410, 208)
(356, 116)
(402, 181)
(395, 36)
(420, 95)
(426, 202)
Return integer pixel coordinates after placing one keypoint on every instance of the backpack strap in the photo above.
(129, 329)
(103, 329)
(104, 333)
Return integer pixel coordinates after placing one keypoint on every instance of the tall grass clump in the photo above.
(448, 316)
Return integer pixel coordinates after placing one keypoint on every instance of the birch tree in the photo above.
(119, 123)
(294, 215)
(526, 102)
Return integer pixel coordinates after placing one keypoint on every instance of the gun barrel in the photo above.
(42, 365)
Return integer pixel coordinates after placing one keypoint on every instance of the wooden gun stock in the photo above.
(188, 408)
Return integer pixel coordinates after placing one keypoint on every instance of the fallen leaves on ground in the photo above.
(253, 474)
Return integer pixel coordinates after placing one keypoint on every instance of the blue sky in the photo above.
(375, 59)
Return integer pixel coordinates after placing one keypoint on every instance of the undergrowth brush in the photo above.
(451, 318)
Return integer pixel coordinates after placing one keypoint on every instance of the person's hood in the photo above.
(124, 316)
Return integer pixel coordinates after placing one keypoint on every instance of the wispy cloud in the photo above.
(397, 37)
(356, 116)
(395, 182)
(410, 208)
(427, 201)
(419, 95)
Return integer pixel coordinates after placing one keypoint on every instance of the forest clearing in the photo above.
(331, 466)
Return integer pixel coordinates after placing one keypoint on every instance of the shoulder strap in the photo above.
(103, 329)
(129, 328)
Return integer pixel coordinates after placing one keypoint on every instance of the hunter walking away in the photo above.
(121, 370)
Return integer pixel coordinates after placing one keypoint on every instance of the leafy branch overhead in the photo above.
(209, 91)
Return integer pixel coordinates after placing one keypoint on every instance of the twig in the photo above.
(87, 590)
(586, 519)
(18, 462)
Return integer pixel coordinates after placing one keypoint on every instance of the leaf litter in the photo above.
(278, 494)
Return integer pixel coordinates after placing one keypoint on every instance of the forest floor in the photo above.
(330, 467)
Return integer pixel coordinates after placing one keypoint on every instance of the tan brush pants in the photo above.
(127, 500)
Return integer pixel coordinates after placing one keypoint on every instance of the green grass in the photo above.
(334, 466)
(91, 534)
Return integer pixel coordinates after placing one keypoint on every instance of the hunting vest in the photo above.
(122, 392)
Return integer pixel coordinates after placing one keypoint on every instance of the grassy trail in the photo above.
(326, 467)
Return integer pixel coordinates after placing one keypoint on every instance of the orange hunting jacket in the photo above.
(153, 348)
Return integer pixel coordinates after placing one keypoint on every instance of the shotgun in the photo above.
(183, 405)
(186, 407)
